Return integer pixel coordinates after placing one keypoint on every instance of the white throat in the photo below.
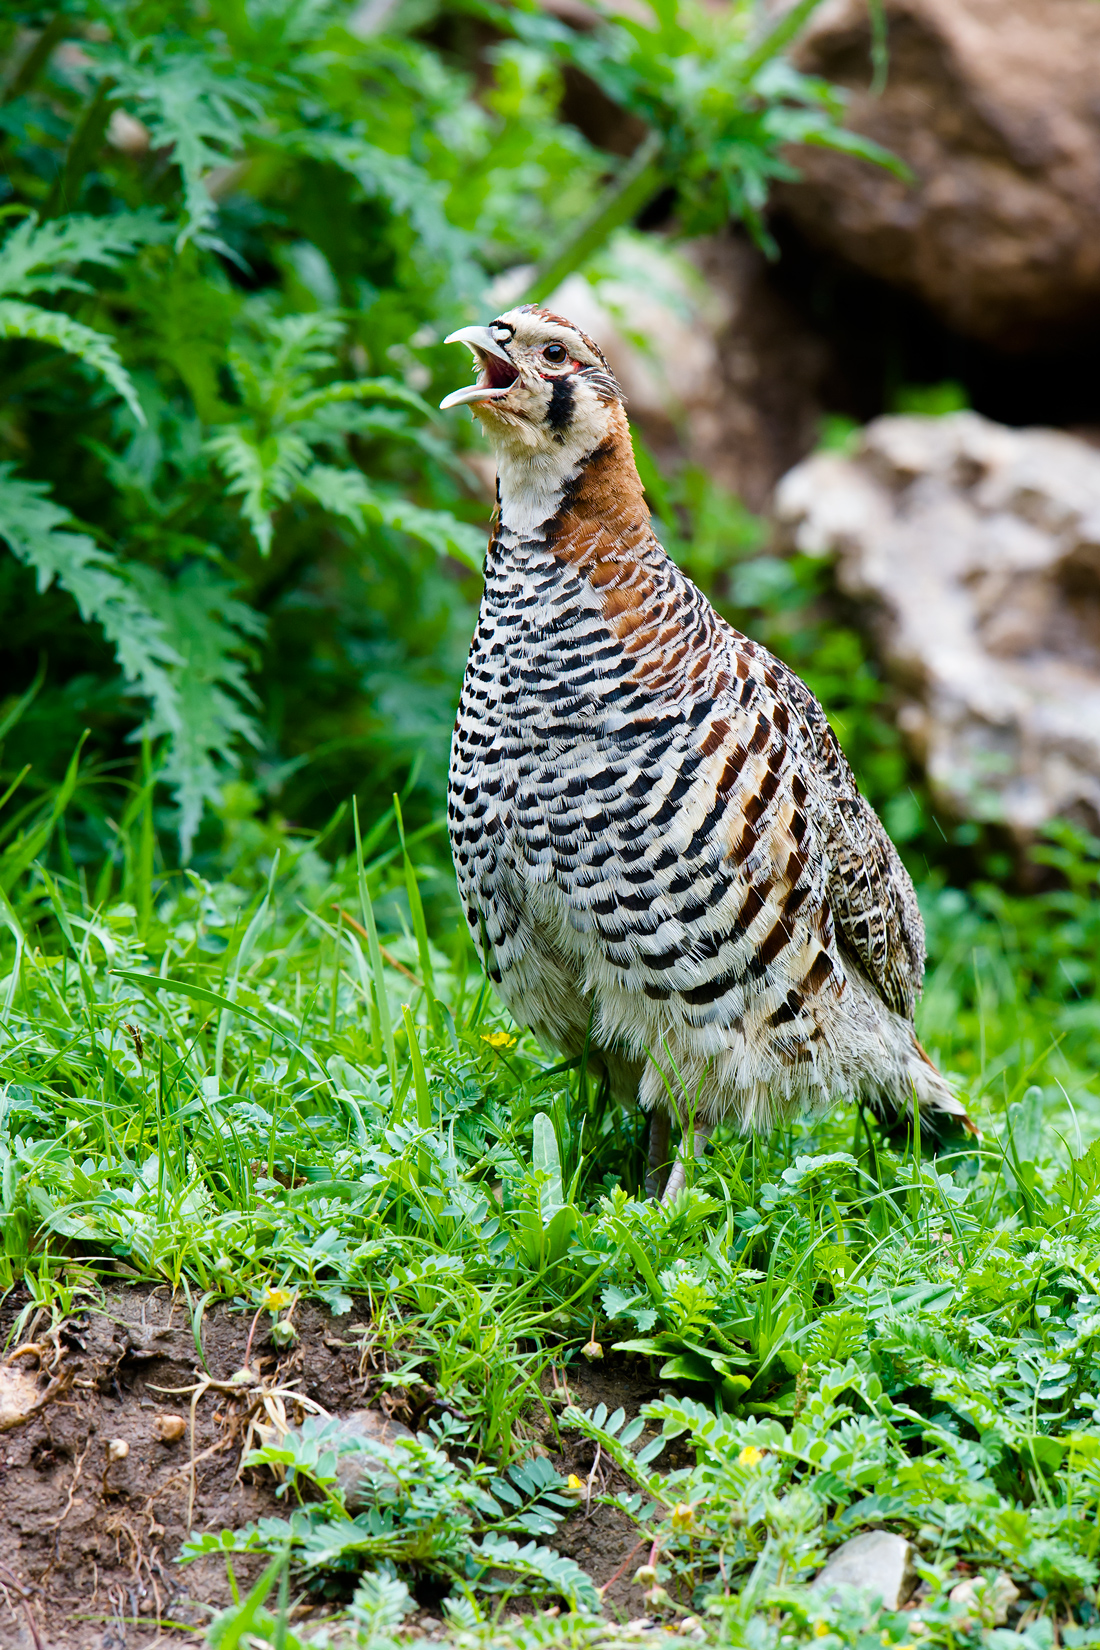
(534, 467)
(532, 487)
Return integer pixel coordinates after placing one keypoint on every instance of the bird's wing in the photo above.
(868, 888)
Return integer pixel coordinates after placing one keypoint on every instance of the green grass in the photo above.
(279, 1084)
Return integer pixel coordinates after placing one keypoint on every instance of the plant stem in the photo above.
(86, 139)
(37, 58)
(774, 41)
(639, 180)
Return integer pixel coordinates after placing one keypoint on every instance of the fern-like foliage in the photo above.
(40, 534)
(835, 1336)
(544, 1569)
(41, 258)
(178, 643)
(43, 326)
(195, 107)
(209, 629)
(410, 192)
(300, 210)
(448, 1515)
(380, 1604)
(268, 457)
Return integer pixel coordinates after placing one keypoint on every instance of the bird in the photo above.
(661, 851)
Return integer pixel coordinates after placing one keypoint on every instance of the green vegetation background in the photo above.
(245, 1046)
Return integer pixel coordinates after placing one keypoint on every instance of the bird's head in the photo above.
(543, 391)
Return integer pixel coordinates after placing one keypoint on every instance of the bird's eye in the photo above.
(555, 353)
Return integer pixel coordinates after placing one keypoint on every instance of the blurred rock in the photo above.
(974, 553)
(126, 133)
(994, 107)
(356, 1431)
(877, 1561)
(987, 1602)
(19, 1396)
(729, 374)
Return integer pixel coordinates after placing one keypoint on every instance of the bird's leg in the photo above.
(676, 1179)
(659, 1123)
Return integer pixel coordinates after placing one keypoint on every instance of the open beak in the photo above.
(497, 373)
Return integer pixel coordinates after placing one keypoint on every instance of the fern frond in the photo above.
(201, 116)
(262, 474)
(304, 346)
(380, 1604)
(33, 253)
(345, 493)
(95, 349)
(835, 1336)
(557, 1573)
(616, 1441)
(348, 493)
(361, 389)
(410, 191)
(180, 645)
(37, 531)
(438, 529)
(209, 631)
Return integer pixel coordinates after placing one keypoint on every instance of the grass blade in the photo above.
(424, 1117)
(385, 1024)
(420, 927)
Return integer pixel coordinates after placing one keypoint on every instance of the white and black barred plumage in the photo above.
(654, 829)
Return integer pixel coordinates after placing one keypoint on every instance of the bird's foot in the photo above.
(678, 1178)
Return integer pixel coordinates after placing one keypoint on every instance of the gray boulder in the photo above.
(973, 552)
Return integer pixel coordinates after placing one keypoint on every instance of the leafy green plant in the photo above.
(264, 1063)
(720, 103)
(440, 1513)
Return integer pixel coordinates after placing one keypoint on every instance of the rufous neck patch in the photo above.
(603, 519)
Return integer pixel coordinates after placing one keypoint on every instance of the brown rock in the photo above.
(973, 552)
(993, 104)
(352, 1437)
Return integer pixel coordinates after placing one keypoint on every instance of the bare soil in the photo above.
(97, 1483)
(601, 1539)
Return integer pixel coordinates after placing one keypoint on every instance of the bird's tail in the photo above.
(929, 1092)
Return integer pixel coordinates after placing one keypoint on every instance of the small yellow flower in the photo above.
(682, 1516)
(498, 1039)
(574, 1483)
(750, 1456)
(820, 1629)
(276, 1300)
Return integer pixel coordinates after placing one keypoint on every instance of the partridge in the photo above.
(661, 850)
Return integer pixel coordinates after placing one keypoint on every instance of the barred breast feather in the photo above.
(657, 836)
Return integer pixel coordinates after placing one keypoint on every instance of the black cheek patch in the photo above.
(560, 410)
